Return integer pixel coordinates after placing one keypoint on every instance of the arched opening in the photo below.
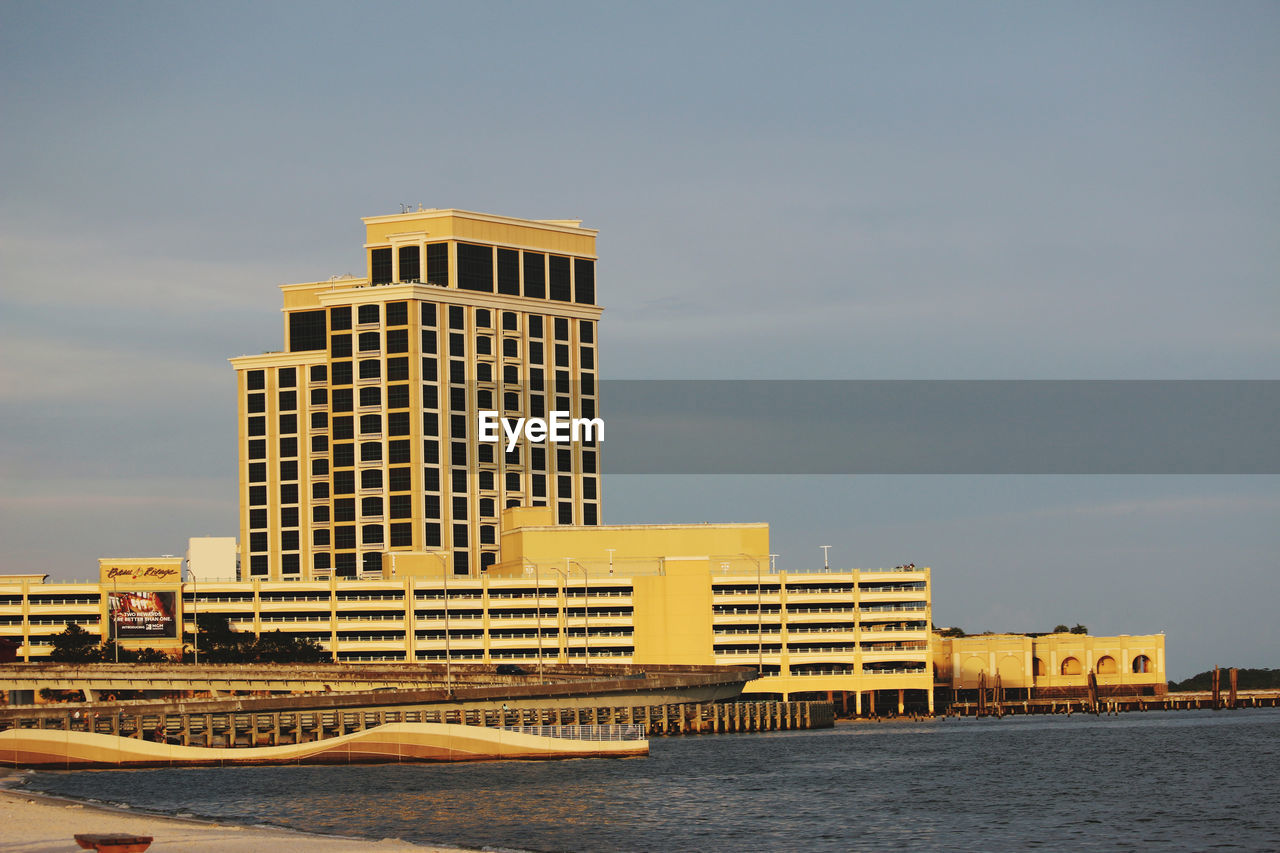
(1106, 666)
(1038, 667)
(1071, 666)
(1142, 663)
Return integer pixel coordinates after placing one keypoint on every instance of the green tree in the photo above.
(953, 631)
(75, 645)
(1060, 629)
(1079, 629)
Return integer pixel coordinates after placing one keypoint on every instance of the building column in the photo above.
(901, 704)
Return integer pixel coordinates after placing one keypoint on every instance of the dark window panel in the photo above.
(535, 275)
(289, 493)
(371, 507)
(340, 318)
(257, 541)
(344, 455)
(371, 451)
(320, 538)
(401, 535)
(398, 423)
(289, 469)
(398, 480)
(344, 428)
(475, 267)
(371, 396)
(460, 509)
(370, 424)
(509, 272)
(431, 537)
(342, 373)
(565, 512)
(307, 330)
(371, 479)
(340, 346)
(371, 368)
(288, 423)
(397, 369)
(370, 341)
(344, 482)
(559, 289)
(258, 518)
(320, 561)
(428, 314)
(380, 266)
(397, 340)
(288, 376)
(410, 263)
(319, 444)
(428, 341)
(587, 358)
(344, 509)
(320, 491)
(289, 540)
(255, 380)
(535, 326)
(398, 451)
(257, 426)
(400, 506)
(320, 514)
(319, 396)
(256, 403)
(584, 281)
(438, 264)
(257, 495)
(590, 514)
(289, 446)
(457, 317)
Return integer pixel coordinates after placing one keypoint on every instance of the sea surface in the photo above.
(1185, 780)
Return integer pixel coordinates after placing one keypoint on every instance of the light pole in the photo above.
(195, 616)
(611, 550)
(115, 601)
(537, 608)
(826, 557)
(448, 658)
(586, 609)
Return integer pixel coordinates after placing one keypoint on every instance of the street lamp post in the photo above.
(448, 657)
(826, 557)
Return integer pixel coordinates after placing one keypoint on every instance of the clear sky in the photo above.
(783, 191)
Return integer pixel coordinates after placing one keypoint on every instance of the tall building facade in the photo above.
(360, 438)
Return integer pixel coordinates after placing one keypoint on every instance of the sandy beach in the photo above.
(36, 824)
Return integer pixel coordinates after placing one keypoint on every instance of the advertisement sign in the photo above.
(142, 614)
(156, 571)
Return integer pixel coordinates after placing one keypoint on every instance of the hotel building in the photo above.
(359, 439)
(374, 521)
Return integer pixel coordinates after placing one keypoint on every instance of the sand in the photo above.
(30, 823)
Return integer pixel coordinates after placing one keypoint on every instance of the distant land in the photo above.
(1246, 679)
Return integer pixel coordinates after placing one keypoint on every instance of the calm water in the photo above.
(1185, 780)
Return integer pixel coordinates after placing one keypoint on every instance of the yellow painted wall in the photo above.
(672, 617)
(1023, 661)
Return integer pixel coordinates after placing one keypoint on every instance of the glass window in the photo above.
(428, 314)
(342, 373)
(398, 340)
(307, 330)
(371, 368)
(342, 401)
(559, 279)
(371, 451)
(535, 275)
(398, 451)
(509, 272)
(340, 318)
(398, 480)
(370, 341)
(319, 373)
(255, 380)
(398, 423)
(344, 428)
(370, 424)
(344, 509)
(475, 267)
(380, 266)
(258, 518)
(340, 346)
(371, 478)
(397, 369)
(256, 403)
(371, 396)
(410, 261)
(344, 455)
(584, 281)
(438, 264)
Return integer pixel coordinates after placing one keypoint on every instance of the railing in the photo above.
(614, 731)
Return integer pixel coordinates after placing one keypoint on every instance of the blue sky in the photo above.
(845, 191)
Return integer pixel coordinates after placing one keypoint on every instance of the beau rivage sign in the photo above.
(162, 570)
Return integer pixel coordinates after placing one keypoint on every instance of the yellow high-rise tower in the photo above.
(360, 438)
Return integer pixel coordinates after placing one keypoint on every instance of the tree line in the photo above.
(217, 642)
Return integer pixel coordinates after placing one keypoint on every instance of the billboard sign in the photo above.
(142, 614)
